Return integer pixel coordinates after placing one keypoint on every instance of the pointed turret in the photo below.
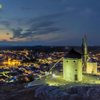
(84, 52)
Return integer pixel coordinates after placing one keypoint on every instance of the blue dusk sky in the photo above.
(49, 22)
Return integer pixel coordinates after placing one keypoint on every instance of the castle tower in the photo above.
(72, 66)
(84, 52)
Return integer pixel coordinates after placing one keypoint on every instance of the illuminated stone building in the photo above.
(72, 66)
(91, 66)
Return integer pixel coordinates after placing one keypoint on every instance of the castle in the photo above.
(74, 64)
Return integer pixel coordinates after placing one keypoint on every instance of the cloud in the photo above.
(52, 16)
(5, 23)
(17, 33)
(30, 34)
(2, 28)
(37, 28)
(25, 29)
(40, 24)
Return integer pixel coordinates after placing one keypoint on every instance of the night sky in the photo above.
(49, 22)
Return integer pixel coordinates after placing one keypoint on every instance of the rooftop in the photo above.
(73, 54)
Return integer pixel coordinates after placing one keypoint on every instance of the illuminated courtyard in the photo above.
(57, 80)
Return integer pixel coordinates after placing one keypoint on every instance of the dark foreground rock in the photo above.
(44, 92)
(26, 94)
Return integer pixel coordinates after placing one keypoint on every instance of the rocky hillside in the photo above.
(44, 92)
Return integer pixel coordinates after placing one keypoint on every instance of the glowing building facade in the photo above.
(91, 66)
(72, 66)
